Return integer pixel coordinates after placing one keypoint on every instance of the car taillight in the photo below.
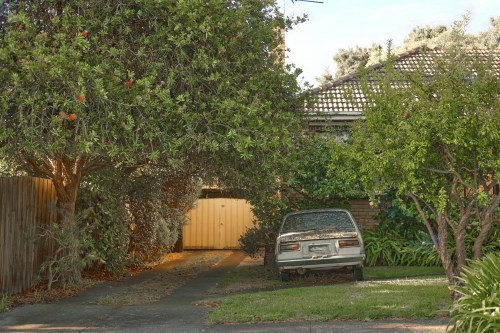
(289, 247)
(344, 243)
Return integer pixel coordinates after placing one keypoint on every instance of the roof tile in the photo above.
(330, 100)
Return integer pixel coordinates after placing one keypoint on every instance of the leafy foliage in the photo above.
(478, 308)
(268, 209)
(318, 180)
(134, 218)
(398, 214)
(65, 264)
(423, 34)
(442, 36)
(390, 249)
(4, 303)
(311, 182)
(106, 225)
(192, 84)
(158, 202)
(349, 60)
(431, 137)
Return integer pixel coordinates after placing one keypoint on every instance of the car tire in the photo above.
(285, 276)
(357, 272)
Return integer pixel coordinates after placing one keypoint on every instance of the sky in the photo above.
(346, 23)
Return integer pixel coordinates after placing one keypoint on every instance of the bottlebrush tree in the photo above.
(86, 85)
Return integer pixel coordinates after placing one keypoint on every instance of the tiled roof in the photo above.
(330, 102)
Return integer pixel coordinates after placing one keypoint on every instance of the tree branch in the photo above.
(416, 200)
(39, 169)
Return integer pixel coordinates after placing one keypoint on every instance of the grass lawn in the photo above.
(412, 298)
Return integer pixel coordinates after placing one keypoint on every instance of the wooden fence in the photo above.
(24, 212)
(217, 224)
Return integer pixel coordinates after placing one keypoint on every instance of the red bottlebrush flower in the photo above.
(129, 83)
(72, 116)
(84, 33)
(81, 98)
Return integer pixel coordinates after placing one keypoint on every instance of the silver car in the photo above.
(320, 239)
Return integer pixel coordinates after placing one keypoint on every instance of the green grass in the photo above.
(400, 271)
(417, 297)
(400, 298)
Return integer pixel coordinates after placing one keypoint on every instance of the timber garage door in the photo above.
(217, 224)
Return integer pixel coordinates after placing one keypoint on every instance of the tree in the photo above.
(434, 139)
(314, 180)
(424, 34)
(491, 37)
(348, 60)
(441, 36)
(351, 59)
(193, 84)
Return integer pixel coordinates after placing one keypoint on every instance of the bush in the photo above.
(391, 249)
(399, 214)
(158, 202)
(133, 218)
(105, 225)
(478, 308)
(260, 239)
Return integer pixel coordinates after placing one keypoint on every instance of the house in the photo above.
(334, 106)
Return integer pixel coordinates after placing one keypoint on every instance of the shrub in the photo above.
(260, 239)
(391, 249)
(133, 218)
(478, 308)
(105, 226)
(158, 202)
(398, 213)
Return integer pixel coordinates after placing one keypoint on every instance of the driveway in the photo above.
(174, 313)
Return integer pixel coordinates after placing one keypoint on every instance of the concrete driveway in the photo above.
(174, 313)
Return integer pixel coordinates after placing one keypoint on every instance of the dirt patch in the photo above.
(246, 278)
(39, 293)
(164, 284)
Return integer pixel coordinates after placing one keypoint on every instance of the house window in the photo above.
(317, 128)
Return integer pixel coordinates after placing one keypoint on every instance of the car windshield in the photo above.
(332, 220)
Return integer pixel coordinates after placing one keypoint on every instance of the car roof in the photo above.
(317, 210)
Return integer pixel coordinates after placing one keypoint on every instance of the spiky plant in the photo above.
(478, 308)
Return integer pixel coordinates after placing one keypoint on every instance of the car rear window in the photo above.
(335, 221)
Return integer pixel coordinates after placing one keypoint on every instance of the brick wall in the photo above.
(360, 209)
(363, 213)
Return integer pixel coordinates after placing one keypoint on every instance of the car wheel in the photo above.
(357, 272)
(285, 276)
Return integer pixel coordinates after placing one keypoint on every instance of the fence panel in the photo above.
(23, 214)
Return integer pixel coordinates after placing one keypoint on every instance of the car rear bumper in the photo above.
(320, 262)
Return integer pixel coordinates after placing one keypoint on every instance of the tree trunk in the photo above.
(461, 253)
(424, 218)
(486, 219)
(444, 254)
(66, 175)
(483, 233)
